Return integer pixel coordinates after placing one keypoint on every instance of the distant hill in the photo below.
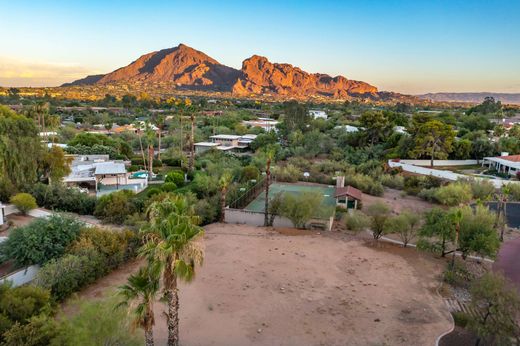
(188, 68)
(506, 98)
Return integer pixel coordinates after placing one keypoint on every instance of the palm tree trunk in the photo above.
(267, 178)
(192, 143)
(172, 316)
(160, 135)
(150, 161)
(142, 149)
(223, 205)
(148, 337)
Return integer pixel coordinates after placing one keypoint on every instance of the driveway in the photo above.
(508, 259)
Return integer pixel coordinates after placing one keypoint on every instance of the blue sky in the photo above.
(398, 45)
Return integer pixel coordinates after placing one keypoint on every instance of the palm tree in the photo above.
(501, 219)
(150, 136)
(139, 135)
(224, 182)
(270, 155)
(192, 142)
(139, 294)
(170, 244)
(159, 121)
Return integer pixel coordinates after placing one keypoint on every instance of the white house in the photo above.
(318, 114)
(505, 163)
(234, 143)
(265, 123)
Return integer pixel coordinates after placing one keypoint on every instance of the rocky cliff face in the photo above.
(260, 76)
(190, 68)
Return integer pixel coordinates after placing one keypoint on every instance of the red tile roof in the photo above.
(349, 191)
(512, 158)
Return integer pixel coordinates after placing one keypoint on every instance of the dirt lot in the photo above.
(398, 204)
(299, 288)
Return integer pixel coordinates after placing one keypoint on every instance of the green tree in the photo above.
(437, 231)
(499, 304)
(225, 180)
(269, 153)
(477, 232)
(433, 139)
(406, 225)
(296, 116)
(40, 330)
(170, 243)
(377, 126)
(139, 295)
(379, 214)
(300, 208)
(54, 165)
(454, 194)
(115, 207)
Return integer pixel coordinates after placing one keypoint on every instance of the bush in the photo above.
(414, 184)
(169, 187)
(454, 194)
(379, 214)
(41, 240)
(67, 274)
(393, 181)
(365, 183)
(116, 206)
(207, 210)
(176, 177)
(24, 202)
(61, 198)
(428, 194)
(249, 173)
(482, 189)
(153, 191)
(514, 191)
(18, 304)
(357, 221)
(289, 173)
(39, 330)
(301, 208)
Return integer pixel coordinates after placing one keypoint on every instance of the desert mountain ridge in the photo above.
(188, 68)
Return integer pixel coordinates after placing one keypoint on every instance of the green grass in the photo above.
(258, 204)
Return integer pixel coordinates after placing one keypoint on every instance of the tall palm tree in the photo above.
(159, 121)
(170, 243)
(139, 135)
(192, 142)
(270, 155)
(224, 182)
(150, 136)
(139, 295)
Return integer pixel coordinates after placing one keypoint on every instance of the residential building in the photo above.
(318, 114)
(505, 163)
(266, 124)
(232, 143)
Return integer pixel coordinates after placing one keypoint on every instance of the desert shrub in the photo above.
(67, 274)
(414, 184)
(458, 275)
(406, 225)
(18, 304)
(40, 330)
(98, 323)
(168, 187)
(153, 191)
(379, 214)
(482, 189)
(365, 183)
(514, 191)
(207, 210)
(249, 173)
(24, 202)
(204, 185)
(454, 194)
(289, 173)
(41, 240)
(176, 177)
(357, 221)
(116, 206)
(393, 181)
(300, 208)
(59, 197)
(115, 246)
(428, 194)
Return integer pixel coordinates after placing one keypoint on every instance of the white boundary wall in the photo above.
(446, 174)
(440, 162)
(21, 276)
(240, 216)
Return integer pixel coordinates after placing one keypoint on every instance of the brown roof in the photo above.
(512, 158)
(348, 191)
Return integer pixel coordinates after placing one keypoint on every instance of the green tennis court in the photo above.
(258, 204)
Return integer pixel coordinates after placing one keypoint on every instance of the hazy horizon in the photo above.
(400, 45)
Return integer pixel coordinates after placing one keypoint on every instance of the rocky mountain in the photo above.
(191, 69)
(506, 98)
(260, 76)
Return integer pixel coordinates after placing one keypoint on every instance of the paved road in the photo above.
(512, 213)
(508, 261)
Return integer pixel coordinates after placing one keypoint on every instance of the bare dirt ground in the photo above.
(260, 287)
(397, 203)
(16, 220)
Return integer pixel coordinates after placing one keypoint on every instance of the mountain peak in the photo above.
(187, 67)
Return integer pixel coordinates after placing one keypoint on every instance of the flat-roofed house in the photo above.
(505, 163)
(231, 143)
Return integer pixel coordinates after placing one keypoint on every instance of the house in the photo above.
(346, 197)
(101, 174)
(2, 216)
(231, 143)
(400, 129)
(266, 124)
(317, 114)
(505, 163)
(348, 128)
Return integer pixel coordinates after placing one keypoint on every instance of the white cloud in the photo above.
(15, 72)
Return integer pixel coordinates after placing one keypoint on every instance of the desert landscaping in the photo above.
(288, 287)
